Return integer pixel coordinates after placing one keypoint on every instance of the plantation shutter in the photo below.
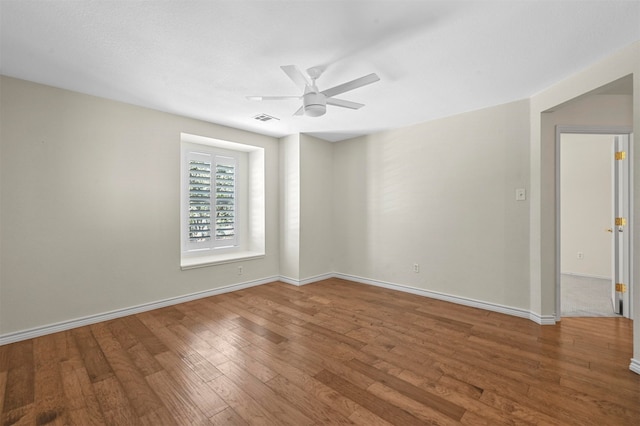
(212, 204)
(199, 226)
(225, 200)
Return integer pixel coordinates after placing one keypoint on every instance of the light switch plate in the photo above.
(521, 194)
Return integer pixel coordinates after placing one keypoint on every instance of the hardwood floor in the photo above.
(332, 352)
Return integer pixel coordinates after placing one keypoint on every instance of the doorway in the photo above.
(593, 242)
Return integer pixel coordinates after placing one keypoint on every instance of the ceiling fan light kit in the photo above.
(315, 104)
(314, 101)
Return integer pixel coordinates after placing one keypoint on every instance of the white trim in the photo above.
(187, 263)
(542, 319)
(290, 281)
(635, 365)
(118, 313)
(488, 306)
(630, 225)
(306, 281)
(588, 129)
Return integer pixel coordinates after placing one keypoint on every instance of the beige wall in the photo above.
(306, 202)
(90, 207)
(586, 200)
(316, 207)
(440, 194)
(290, 207)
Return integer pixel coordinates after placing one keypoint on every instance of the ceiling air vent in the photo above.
(265, 117)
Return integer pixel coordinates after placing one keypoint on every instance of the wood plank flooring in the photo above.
(332, 352)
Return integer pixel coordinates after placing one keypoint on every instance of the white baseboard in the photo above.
(543, 319)
(306, 281)
(494, 307)
(92, 319)
(635, 365)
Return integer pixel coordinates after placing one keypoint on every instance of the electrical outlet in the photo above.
(580, 255)
(416, 268)
(240, 270)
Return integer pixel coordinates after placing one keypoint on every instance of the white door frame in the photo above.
(622, 235)
(607, 130)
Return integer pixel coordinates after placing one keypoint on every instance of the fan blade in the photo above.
(343, 103)
(300, 111)
(296, 75)
(271, 98)
(353, 84)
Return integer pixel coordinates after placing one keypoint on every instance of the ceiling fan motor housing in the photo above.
(315, 104)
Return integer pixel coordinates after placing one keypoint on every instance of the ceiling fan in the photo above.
(314, 101)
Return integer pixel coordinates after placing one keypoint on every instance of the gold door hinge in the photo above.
(621, 288)
(621, 155)
(621, 221)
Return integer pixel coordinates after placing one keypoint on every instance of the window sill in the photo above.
(218, 259)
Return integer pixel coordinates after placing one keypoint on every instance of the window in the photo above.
(212, 201)
(222, 201)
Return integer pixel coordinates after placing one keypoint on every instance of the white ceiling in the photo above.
(202, 58)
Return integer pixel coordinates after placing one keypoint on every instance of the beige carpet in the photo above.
(585, 297)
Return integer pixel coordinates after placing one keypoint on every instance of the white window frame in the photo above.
(249, 201)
